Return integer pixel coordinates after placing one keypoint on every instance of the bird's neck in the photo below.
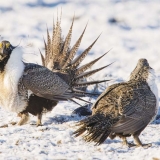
(151, 80)
(14, 67)
(9, 81)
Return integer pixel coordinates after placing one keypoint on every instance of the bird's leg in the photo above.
(13, 123)
(126, 143)
(139, 143)
(39, 116)
(24, 118)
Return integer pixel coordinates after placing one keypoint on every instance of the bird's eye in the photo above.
(0, 45)
(7, 45)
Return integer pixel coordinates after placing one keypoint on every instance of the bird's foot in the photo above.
(38, 124)
(13, 123)
(126, 143)
(145, 145)
(39, 118)
(6, 125)
(129, 145)
(24, 119)
(139, 143)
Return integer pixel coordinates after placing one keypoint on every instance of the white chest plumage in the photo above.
(9, 98)
(153, 86)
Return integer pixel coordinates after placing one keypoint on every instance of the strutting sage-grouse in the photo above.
(124, 109)
(27, 87)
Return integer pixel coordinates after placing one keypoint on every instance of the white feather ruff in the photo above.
(153, 86)
(9, 98)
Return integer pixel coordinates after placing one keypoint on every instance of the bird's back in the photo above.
(120, 99)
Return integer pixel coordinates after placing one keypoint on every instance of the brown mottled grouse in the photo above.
(124, 109)
(31, 88)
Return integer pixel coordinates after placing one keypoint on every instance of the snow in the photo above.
(131, 29)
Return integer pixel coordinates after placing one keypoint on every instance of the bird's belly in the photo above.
(12, 102)
(9, 98)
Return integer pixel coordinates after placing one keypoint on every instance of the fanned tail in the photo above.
(82, 93)
(60, 58)
(65, 52)
(95, 128)
(88, 65)
(85, 84)
(74, 50)
(89, 73)
(42, 58)
(81, 57)
(53, 47)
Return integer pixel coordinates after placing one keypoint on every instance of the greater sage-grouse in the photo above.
(27, 87)
(124, 109)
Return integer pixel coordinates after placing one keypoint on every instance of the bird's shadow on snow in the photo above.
(157, 143)
(110, 141)
(121, 148)
(5, 9)
(157, 120)
(60, 119)
(2, 141)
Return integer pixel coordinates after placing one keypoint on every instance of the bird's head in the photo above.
(5, 50)
(141, 71)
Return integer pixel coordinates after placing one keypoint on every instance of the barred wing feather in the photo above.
(137, 112)
(42, 81)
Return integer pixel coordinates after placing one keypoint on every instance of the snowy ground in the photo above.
(130, 28)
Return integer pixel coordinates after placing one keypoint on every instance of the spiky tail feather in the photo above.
(57, 51)
(95, 128)
(59, 56)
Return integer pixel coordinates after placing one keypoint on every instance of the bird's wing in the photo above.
(105, 94)
(45, 83)
(137, 107)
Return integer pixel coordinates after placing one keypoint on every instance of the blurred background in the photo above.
(130, 28)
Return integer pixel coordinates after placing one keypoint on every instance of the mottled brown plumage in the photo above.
(124, 109)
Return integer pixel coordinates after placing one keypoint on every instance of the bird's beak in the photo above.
(5, 49)
(2, 48)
